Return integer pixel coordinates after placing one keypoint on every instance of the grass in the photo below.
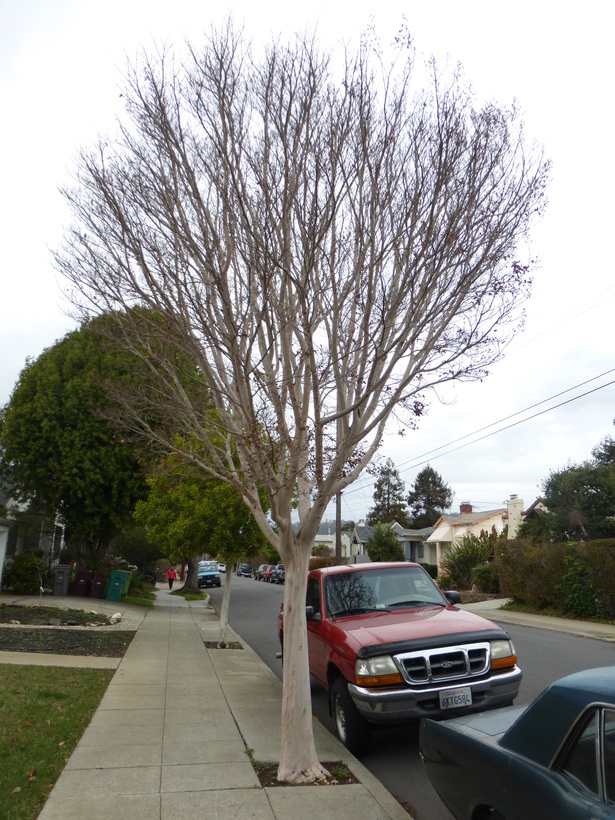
(43, 713)
(131, 599)
(190, 595)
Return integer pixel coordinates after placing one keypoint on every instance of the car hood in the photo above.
(409, 625)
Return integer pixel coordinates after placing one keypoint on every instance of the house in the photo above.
(450, 528)
(326, 536)
(26, 527)
(412, 542)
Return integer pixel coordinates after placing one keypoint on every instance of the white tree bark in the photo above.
(226, 598)
(298, 259)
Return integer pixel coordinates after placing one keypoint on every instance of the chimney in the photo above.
(465, 507)
(515, 515)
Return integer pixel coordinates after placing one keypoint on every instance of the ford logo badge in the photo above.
(447, 665)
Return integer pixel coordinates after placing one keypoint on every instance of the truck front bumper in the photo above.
(404, 703)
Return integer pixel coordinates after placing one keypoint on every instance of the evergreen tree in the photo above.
(389, 504)
(429, 497)
(56, 447)
(384, 546)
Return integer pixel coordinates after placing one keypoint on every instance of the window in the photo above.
(312, 597)
(580, 764)
(609, 754)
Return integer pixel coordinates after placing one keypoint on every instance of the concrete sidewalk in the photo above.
(170, 737)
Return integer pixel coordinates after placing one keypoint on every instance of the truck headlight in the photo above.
(378, 671)
(502, 654)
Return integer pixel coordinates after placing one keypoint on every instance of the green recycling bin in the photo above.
(126, 576)
(116, 586)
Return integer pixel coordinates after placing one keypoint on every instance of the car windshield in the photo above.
(208, 566)
(387, 590)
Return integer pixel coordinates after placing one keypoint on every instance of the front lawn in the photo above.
(43, 713)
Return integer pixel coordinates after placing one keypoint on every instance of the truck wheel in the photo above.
(352, 730)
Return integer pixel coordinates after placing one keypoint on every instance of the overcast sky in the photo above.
(60, 62)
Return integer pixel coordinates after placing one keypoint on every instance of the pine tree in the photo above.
(429, 497)
(389, 504)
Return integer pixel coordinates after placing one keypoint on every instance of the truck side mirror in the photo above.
(452, 596)
(311, 615)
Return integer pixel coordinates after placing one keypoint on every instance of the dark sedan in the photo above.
(277, 574)
(550, 760)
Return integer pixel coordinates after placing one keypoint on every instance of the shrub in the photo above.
(485, 576)
(384, 546)
(573, 579)
(318, 561)
(445, 582)
(27, 572)
(431, 569)
(463, 558)
(580, 589)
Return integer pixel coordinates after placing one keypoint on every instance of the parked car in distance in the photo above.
(267, 572)
(244, 570)
(274, 576)
(389, 647)
(221, 567)
(208, 574)
(258, 575)
(550, 760)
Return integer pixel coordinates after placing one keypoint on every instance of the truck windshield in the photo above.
(208, 566)
(350, 593)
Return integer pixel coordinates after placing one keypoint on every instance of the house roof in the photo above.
(537, 506)
(364, 533)
(417, 535)
(461, 523)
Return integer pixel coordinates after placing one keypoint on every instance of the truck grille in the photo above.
(448, 663)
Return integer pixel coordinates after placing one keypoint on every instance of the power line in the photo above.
(518, 413)
(414, 463)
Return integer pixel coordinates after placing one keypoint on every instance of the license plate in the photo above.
(456, 698)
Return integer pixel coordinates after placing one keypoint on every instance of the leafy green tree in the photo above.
(604, 453)
(389, 504)
(429, 497)
(581, 502)
(383, 545)
(56, 447)
(190, 515)
(134, 545)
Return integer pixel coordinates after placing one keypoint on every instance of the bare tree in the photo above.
(326, 249)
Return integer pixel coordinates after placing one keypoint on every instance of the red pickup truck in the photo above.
(389, 647)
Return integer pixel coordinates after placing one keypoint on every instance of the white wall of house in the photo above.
(4, 537)
(451, 529)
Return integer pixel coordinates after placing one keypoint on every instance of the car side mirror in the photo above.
(311, 615)
(452, 596)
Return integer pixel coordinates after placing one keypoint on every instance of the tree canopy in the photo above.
(56, 447)
(389, 503)
(581, 502)
(328, 241)
(429, 497)
(383, 545)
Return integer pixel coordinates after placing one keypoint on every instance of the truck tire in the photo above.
(351, 729)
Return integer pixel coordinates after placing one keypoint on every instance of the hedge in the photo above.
(576, 579)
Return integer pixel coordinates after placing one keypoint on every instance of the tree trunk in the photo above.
(190, 584)
(298, 759)
(226, 597)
